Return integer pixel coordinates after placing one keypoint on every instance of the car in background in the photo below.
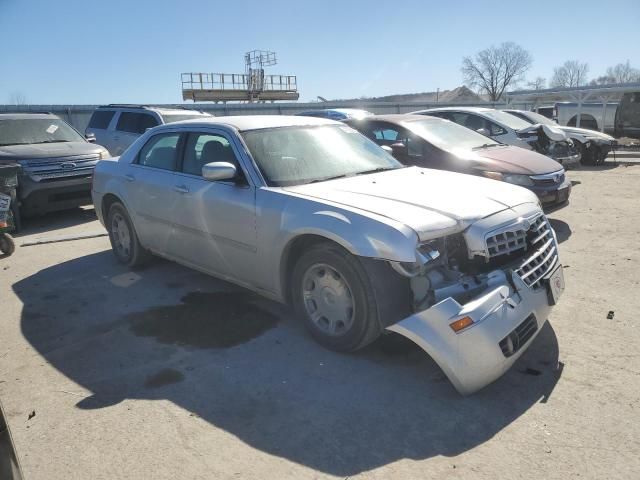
(594, 146)
(116, 126)
(310, 212)
(338, 114)
(56, 162)
(432, 142)
(506, 128)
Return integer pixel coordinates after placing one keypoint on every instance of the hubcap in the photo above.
(328, 300)
(121, 235)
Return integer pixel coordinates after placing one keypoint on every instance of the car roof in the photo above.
(126, 106)
(256, 122)
(22, 116)
(399, 118)
(458, 109)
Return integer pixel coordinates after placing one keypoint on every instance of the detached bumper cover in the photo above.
(473, 358)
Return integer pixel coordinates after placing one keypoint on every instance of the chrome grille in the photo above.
(549, 179)
(506, 242)
(52, 168)
(539, 264)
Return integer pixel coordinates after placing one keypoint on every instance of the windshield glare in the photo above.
(507, 119)
(297, 155)
(537, 118)
(448, 135)
(26, 131)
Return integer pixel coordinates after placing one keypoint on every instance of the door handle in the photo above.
(129, 178)
(180, 189)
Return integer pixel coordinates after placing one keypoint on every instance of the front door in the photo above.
(215, 224)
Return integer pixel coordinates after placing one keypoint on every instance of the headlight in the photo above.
(510, 178)
(523, 180)
(104, 154)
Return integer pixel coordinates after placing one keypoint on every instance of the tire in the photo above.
(7, 245)
(124, 239)
(332, 294)
(586, 155)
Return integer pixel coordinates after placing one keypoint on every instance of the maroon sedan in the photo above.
(437, 143)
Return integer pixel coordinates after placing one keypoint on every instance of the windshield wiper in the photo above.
(487, 145)
(376, 170)
(52, 141)
(10, 144)
(326, 179)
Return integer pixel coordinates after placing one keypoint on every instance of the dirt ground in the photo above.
(165, 373)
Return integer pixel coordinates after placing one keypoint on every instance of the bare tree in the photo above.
(17, 98)
(571, 74)
(494, 69)
(537, 84)
(623, 73)
(602, 80)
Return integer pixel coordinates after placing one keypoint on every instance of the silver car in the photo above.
(310, 212)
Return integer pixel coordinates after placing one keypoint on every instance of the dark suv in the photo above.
(56, 161)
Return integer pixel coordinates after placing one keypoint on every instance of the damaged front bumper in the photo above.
(505, 322)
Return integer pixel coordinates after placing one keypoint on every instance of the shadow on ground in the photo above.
(562, 229)
(53, 221)
(245, 366)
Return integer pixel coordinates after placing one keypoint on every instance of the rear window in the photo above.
(101, 119)
(135, 122)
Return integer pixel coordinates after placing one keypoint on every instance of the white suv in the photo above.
(117, 126)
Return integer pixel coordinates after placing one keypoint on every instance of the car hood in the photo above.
(431, 202)
(587, 133)
(12, 153)
(509, 159)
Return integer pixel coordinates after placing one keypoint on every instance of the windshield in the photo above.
(537, 118)
(170, 117)
(297, 155)
(448, 135)
(25, 131)
(506, 119)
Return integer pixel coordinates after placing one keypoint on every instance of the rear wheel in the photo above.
(333, 295)
(124, 240)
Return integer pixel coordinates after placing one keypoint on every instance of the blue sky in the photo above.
(79, 52)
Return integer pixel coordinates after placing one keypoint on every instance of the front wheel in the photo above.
(123, 237)
(7, 245)
(333, 295)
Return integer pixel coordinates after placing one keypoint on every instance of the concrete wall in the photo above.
(79, 115)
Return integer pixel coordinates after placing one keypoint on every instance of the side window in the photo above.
(203, 148)
(414, 145)
(133, 122)
(101, 119)
(160, 151)
(384, 135)
(495, 129)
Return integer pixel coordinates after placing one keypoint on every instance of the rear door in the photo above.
(150, 183)
(128, 127)
(99, 126)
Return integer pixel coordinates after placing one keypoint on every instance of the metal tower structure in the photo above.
(252, 86)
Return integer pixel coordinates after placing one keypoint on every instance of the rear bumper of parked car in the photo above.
(481, 353)
(47, 196)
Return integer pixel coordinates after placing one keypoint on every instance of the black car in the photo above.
(432, 142)
(56, 161)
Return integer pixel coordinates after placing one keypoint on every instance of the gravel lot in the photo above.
(166, 373)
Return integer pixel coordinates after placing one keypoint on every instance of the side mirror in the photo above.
(387, 148)
(483, 131)
(398, 147)
(90, 137)
(218, 171)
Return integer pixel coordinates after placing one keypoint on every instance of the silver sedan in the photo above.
(310, 212)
